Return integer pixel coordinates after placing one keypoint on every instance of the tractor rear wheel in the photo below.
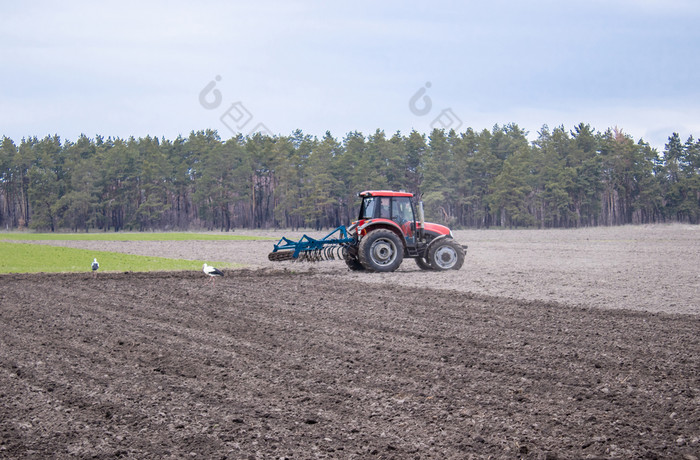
(446, 254)
(381, 251)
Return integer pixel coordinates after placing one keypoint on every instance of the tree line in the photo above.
(564, 178)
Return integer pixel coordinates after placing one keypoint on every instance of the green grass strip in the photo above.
(35, 258)
(129, 236)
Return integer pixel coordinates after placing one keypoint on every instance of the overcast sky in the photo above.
(123, 68)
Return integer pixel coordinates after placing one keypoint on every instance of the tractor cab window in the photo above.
(402, 211)
(402, 214)
(373, 207)
(385, 208)
(367, 208)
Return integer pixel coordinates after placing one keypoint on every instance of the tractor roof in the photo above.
(383, 193)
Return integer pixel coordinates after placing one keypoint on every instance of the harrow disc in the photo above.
(281, 256)
(331, 252)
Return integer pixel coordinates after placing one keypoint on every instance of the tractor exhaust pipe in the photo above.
(421, 218)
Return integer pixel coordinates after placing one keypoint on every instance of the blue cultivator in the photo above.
(330, 247)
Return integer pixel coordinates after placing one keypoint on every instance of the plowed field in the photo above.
(575, 355)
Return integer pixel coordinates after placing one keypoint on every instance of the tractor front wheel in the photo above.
(381, 251)
(446, 254)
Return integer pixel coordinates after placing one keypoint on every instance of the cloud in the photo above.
(132, 68)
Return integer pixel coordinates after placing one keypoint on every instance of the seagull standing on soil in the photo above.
(212, 271)
(95, 266)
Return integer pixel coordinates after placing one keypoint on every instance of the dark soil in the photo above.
(273, 364)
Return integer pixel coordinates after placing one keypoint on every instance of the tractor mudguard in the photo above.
(382, 223)
(433, 241)
(440, 238)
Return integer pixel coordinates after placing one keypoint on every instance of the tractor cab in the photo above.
(396, 207)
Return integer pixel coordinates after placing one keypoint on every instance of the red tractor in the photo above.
(385, 232)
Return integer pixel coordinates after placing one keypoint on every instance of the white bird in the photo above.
(212, 271)
(95, 266)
